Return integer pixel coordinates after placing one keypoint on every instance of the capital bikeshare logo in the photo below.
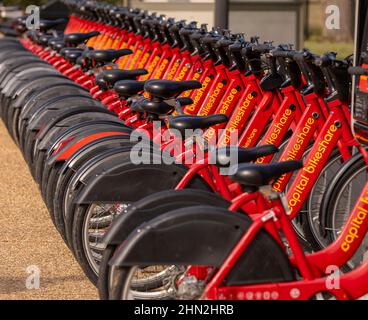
(183, 72)
(212, 99)
(134, 59)
(312, 166)
(236, 120)
(151, 67)
(199, 94)
(225, 106)
(142, 62)
(355, 224)
(173, 70)
(277, 129)
(161, 69)
(172, 147)
(293, 153)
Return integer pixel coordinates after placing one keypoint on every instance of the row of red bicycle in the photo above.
(186, 163)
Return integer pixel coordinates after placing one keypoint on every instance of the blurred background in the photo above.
(298, 22)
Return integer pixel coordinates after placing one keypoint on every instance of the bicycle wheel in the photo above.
(312, 207)
(90, 222)
(342, 199)
(250, 267)
(145, 210)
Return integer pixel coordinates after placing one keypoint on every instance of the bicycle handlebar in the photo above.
(262, 48)
(277, 53)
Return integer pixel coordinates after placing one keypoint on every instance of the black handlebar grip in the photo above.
(358, 71)
(209, 39)
(282, 53)
(322, 61)
(300, 56)
(235, 47)
(186, 32)
(262, 48)
(223, 43)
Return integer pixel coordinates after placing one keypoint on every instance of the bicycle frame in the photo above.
(312, 267)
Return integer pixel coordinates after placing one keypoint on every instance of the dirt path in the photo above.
(29, 240)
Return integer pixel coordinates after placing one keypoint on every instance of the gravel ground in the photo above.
(29, 240)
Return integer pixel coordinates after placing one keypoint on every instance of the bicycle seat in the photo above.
(58, 46)
(105, 56)
(44, 39)
(167, 89)
(225, 155)
(72, 56)
(53, 41)
(79, 38)
(64, 51)
(114, 75)
(162, 107)
(128, 88)
(100, 82)
(156, 107)
(192, 122)
(49, 24)
(257, 175)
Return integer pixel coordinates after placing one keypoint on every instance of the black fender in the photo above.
(49, 140)
(26, 75)
(205, 235)
(47, 121)
(202, 234)
(18, 85)
(46, 80)
(60, 102)
(7, 83)
(89, 165)
(11, 85)
(69, 150)
(28, 108)
(155, 205)
(38, 100)
(117, 179)
(33, 93)
(327, 196)
(35, 100)
(78, 134)
(100, 145)
(42, 121)
(41, 159)
(81, 131)
(12, 69)
(38, 117)
(10, 60)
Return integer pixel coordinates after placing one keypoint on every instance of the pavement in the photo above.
(35, 262)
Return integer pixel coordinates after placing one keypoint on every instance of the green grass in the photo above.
(319, 47)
